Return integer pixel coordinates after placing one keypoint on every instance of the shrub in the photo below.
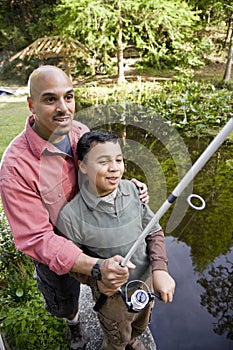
(24, 320)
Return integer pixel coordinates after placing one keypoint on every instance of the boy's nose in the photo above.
(113, 166)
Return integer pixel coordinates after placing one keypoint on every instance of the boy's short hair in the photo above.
(91, 138)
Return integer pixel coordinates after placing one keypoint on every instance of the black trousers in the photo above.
(60, 292)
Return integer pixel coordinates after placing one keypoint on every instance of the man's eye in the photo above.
(119, 160)
(50, 100)
(69, 97)
(103, 162)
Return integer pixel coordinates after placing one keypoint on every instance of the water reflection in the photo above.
(218, 294)
(186, 323)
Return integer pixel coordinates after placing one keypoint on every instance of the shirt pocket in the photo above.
(56, 196)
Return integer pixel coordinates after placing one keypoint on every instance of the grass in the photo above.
(13, 114)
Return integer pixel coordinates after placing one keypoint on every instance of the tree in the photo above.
(158, 28)
(23, 21)
(120, 62)
(227, 73)
(216, 12)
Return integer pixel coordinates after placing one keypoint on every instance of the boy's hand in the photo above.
(164, 284)
(144, 196)
(113, 274)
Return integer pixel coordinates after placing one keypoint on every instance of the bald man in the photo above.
(38, 176)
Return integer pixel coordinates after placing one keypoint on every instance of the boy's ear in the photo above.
(30, 104)
(82, 167)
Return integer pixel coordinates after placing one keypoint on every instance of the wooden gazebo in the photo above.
(58, 47)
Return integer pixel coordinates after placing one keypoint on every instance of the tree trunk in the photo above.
(229, 21)
(227, 74)
(120, 58)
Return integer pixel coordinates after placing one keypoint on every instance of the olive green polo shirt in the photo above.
(104, 229)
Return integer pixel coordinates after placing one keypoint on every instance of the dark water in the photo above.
(186, 324)
(200, 253)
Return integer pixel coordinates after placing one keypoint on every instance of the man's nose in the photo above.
(61, 106)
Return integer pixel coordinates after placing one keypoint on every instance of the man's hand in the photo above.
(113, 274)
(144, 196)
(105, 290)
(164, 284)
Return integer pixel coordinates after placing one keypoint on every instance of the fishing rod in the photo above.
(192, 172)
(189, 176)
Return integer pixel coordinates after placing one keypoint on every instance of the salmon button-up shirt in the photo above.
(36, 180)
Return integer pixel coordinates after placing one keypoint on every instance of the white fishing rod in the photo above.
(192, 172)
(198, 165)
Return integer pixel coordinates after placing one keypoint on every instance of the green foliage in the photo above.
(25, 21)
(24, 320)
(194, 107)
(29, 326)
(162, 30)
(19, 70)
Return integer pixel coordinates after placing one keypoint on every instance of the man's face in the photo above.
(53, 104)
(104, 167)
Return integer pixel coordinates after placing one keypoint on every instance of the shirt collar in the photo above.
(92, 201)
(37, 144)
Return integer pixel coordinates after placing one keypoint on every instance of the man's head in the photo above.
(51, 100)
(100, 158)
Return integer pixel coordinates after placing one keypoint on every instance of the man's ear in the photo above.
(30, 104)
(82, 167)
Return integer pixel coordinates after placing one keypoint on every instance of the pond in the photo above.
(200, 252)
(199, 242)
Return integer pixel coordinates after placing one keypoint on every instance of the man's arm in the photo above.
(32, 231)
(144, 196)
(113, 275)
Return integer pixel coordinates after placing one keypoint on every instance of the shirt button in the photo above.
(59, 195)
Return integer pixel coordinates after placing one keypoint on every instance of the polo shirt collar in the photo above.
(92, 201)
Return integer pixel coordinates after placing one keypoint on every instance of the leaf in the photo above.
(19, 292)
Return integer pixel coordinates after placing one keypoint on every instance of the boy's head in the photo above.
(100, 158)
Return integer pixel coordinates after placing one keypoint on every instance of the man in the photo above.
(38, 176)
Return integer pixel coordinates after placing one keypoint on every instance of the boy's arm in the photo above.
(162, 281)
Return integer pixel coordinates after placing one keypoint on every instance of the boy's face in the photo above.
(104, 167)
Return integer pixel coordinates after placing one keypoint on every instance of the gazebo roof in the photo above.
(54, 46)
(62, 47)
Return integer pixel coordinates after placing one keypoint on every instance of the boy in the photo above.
(105, 218)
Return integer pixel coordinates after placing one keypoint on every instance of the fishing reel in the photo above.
(139, 299)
